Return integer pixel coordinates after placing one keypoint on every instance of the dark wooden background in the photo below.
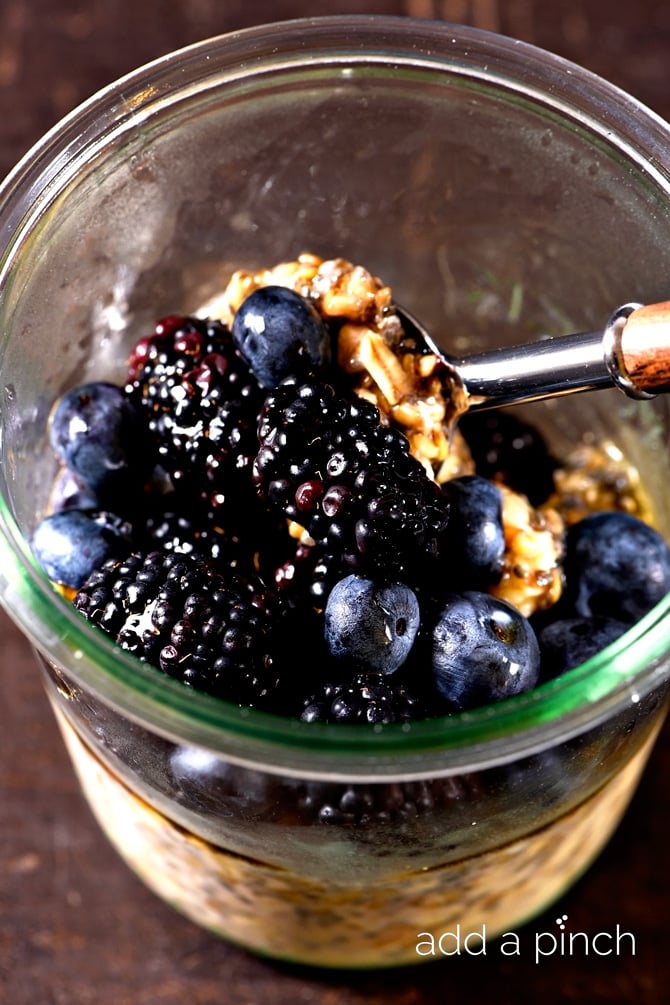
(76, 927)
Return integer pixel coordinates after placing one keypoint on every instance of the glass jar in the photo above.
(502, 193)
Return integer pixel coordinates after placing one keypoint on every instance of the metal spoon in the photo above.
(632, 353)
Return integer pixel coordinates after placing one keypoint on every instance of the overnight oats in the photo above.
(286, 505)
(343, 662)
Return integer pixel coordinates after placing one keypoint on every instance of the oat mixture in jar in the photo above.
(314, 477)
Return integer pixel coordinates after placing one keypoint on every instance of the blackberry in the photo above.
(179, 524)
(214, 632)
(202, 404)
(390, 803)
(368, 810)
(506, 449)
(185, 524)
(366, 698)
(327, 462)
(307, 576)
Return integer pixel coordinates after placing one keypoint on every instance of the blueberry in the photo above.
(69, 492)
(280, 334)
(71, 544)
(371, 626)
(96, 431)
(615, 565)
(482, 650)
(474, 542)
(566, 643)
(207, 784)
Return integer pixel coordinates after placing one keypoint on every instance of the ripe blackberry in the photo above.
(185, 524)
(307, 575)
(362, 806)
(176, 523)
(327, 462)
(506, 449)
(202, 403)
(215, 632)
(367, 697)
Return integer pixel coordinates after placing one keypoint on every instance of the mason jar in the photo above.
(503, 193)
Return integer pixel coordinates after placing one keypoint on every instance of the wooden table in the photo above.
(76, 927)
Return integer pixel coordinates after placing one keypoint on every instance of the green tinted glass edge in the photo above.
(622, 673)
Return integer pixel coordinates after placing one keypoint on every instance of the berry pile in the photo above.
(245, 514)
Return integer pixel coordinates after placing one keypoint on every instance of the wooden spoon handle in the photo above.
(644, 347)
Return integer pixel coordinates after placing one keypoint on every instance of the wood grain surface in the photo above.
(645, 347)
(76, 926)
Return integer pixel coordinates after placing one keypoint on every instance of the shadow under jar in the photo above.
(502, 193)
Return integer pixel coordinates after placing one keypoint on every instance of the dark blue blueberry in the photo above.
(483, 650)
(280, 334)
(68, 492)
(615, 565)
(566, 643)
(371, 626)
(474, 542)
(96, 431)
(71, 544)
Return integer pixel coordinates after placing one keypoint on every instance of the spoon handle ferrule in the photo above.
(639, 344)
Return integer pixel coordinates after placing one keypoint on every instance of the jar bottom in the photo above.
(390, 921)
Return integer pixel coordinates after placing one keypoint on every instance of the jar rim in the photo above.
(625, 672)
